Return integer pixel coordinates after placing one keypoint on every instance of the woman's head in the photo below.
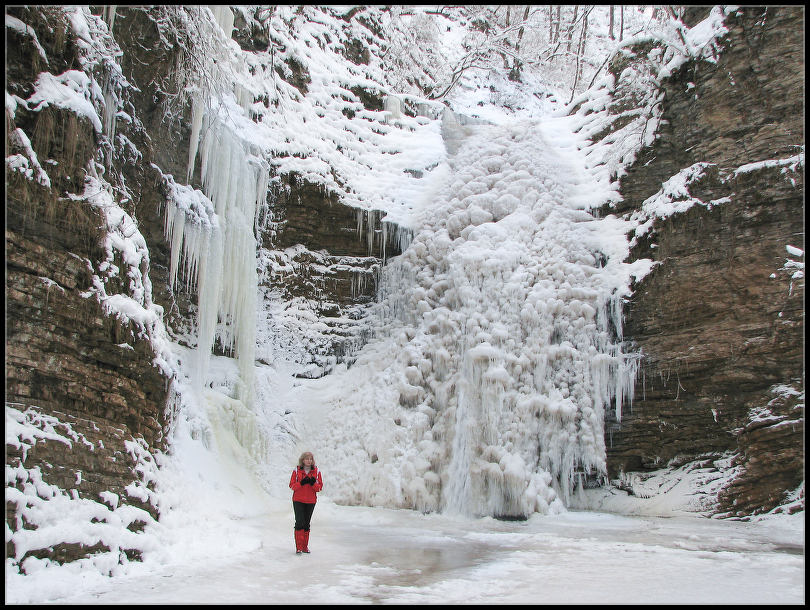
(306, 460)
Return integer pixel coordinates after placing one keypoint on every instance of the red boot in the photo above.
(305, 540)
(299, 542)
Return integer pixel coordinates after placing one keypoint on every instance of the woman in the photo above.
(305, 482)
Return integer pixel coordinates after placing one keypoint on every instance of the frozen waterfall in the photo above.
(499, 350)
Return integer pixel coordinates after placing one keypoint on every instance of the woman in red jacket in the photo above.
(305, 482)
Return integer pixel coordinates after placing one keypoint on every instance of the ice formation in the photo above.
(214, 231)
(500, 348)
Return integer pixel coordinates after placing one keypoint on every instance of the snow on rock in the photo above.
(124, 244)
(25, 29)
(72, 90)
(699, 42)
(691, 489)
(673, 198)
(27, 163)
(790, 163)
(47, 515)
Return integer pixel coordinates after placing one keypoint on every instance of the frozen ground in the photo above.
(375, 555)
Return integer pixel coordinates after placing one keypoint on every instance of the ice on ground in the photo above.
(375, 555)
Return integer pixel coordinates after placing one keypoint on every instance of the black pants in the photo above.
(303, 515)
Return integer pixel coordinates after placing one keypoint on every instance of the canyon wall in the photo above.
(82, 383)
(720, 320)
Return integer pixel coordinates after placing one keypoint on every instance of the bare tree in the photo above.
(580, 51)
(514, 73)
(570, 29)
(559, 20)
(550, 24)
(509, 39)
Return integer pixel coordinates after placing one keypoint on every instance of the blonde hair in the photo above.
(304, 455)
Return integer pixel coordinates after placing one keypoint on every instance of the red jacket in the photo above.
(305, 493)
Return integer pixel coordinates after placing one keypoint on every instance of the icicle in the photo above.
(194, 139)
(457, 500)
(360, 214)
(262, 187)
(371, 222)
(224, 18)
(393, 108)
(110, 113)
(109, 17)
(236, 182)
(195, 241)
(205, 155)
(244, 97)
(176, 232)
(209, 287)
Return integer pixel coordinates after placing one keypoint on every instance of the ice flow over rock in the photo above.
(498, 354)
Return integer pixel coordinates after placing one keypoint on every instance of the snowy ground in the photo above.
(375, 555)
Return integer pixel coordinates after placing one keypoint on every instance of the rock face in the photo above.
(65, 357)
(324, 257)
(721, 318)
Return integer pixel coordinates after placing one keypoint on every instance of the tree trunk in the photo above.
(583, 38)
(557, 28)
(550, 24)
(571, 27)
(610, 27)
(520, 31)
(514, 73)
(580, 51)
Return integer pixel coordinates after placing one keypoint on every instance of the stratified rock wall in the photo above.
(84, 373)
(721, 318)
(324, 259)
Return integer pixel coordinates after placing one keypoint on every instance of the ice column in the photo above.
(458, 493)
(194, 140)
(510, 351)
(214, 230)
(109, 16)
(224, 17)
(235, 178)
(393, 106)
